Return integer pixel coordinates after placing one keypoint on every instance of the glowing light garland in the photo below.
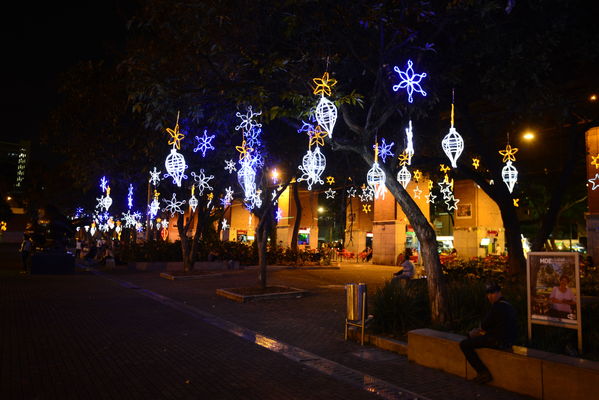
(452, 143)
(204, 143)
(410, 145)
(409, 81)
(173, 206)
(130, 197)
(103, 184)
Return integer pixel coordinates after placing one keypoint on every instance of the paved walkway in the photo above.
(135, 335)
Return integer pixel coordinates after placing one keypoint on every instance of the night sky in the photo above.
(42, 41)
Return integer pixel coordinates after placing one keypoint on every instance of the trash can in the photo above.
(355, 297)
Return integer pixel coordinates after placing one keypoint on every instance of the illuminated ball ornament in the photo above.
(107, 202)
(376, 177)
(404, 176)
(509, 173)
(193, 201)
(452, 143)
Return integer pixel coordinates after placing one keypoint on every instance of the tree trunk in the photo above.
(437, 290)
(298, 217)
(513, 239)
(262, 234)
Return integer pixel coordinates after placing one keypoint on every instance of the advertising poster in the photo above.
(554, 289)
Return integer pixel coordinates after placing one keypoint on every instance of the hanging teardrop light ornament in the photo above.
(404, 176)
(376, 177)
(193, 201)
(509, 173)
(326, 115)
(452, 143)
(326, 111)
(175, 162)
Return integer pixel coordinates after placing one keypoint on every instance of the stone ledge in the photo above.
(244, 298)
(381, 342)
(173, 277)
(531, 372)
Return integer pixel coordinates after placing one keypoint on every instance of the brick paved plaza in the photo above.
(127, 334)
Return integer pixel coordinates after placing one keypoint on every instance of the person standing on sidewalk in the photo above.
(25, 251)
(498, 330)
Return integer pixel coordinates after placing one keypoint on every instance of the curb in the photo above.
(381, 342)
(240, 298)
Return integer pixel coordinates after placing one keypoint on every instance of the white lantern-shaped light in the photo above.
(376, 177)
(175, 166)
(453, 145)
(509, 173)
(247, 178)
(404, 176)
(326, 115)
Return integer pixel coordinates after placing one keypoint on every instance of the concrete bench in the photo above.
(531, 372)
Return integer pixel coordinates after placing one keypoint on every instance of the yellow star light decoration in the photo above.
(210, 196)
(430, 184)
(417, 175)
(475, 163)
(156, 194)
(324, 84)
(509, 153)
(404, 158)
(443, 168)
(330, 180)
(243, 150)
(2, 226)
(516, 202)
(176, 136)
(366, 208)
(317, 136)
(595, 161)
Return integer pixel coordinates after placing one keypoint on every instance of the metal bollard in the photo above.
(356, 307)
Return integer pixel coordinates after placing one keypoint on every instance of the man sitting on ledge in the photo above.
(498, 330)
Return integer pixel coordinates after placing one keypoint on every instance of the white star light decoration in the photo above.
(279, 214)
(225, 225)
(173, 206)
(228, 196)
(230, 166)
(366, 195)
(330, 193)
(595, 182)
(155, 176)
(430, 197)
(452, 203)
(204, 143)
(417, 192)
(409, 81)
(202, 181)
(351, 192)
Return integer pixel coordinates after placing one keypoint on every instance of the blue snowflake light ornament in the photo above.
(409, 81)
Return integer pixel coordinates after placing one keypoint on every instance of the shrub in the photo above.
(398, 308)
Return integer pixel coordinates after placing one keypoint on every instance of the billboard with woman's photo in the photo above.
(553, 290)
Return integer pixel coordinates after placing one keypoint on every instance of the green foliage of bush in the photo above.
(153, 250)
